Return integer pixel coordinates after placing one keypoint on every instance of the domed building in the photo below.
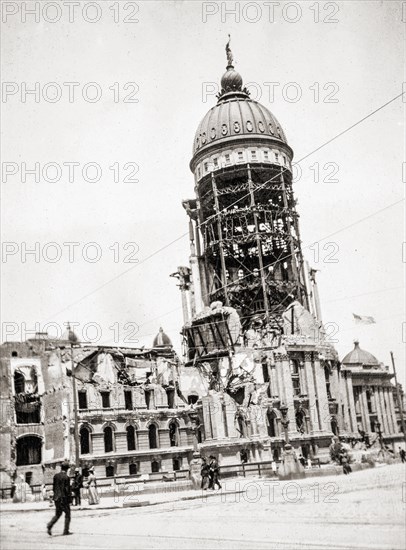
(253, 324)
(375, 399)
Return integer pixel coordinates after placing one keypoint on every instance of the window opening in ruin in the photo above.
(192, 399)
(82, 398)
(131, 446)
(174, 434)
(155, 467)
(152, 436)
(109, 470)
(19, 382)
(176, 464)
(108, 440)
(84, 440)
(105, 395)
(271, 423)
(294, 373)
(300, 421)
(133, 469)
(28, 450)
(128, 398)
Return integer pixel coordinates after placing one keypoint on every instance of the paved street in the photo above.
(364, 510)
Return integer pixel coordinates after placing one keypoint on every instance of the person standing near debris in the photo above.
(402, 454)
(205, 473)
(92, 484)
(214, 473)
(62, 496)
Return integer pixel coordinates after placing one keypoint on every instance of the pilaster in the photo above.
(311, 392)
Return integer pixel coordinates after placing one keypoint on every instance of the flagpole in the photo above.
(399, 398)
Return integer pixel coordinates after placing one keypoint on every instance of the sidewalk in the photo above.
(134, 499)
(230, 486)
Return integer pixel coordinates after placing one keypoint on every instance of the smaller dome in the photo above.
(231, 80)
(162, 340)
(359, 356)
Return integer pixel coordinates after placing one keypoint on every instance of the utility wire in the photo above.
(100, 287)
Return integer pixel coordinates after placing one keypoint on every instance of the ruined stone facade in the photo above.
(258, 367)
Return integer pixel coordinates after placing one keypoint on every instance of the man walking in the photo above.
(62, 496)
(214, 473)
(402, 454)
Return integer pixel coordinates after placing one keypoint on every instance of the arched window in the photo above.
(19, 382)
(152, 436)
(108, 440)
(271, 423)
(155, 466)
(29, 450)
(174, 434)
(84, 435)
(131, 446)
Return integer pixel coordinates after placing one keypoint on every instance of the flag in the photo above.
(363, 320)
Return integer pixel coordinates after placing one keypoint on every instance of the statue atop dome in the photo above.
(229, 54)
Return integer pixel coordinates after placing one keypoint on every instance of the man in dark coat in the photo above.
(62, 496)
(77, 484)
(214, 473)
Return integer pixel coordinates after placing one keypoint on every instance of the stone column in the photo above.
(275, 392)
(280, 378)
(322, 398)
(381, 413)
(367, 422)
(392, 411)
(351, 403)
(391, 417)
(288, 391)
(302, 378)
(386, 426)
(338, 396)
(311, 392)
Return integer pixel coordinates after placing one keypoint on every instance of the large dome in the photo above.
(236, 117)
(359, 356)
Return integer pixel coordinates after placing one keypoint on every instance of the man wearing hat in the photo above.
(62, 495)
(77, 484)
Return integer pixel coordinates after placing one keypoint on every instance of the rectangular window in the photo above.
(254, 155)
(105, 395)
(266, 155)
(128, 398)
(206, 166)
(227, 157)
(215, 162)
(82, 398)
(276, 157)
(240, 156)
(198, 172)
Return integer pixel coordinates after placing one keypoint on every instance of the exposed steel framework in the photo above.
(251, 255)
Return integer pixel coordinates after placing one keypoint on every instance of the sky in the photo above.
(142, 77)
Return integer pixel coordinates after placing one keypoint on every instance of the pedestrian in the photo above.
(92, 484)
(61, 496)
(205, 473)
(214, 473)
(302, 460)
(402, 454)
(77, 484)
